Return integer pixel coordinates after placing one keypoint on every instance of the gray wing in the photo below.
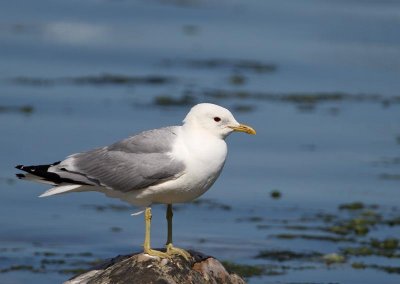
(134, 163)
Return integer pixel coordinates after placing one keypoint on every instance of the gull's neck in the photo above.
(200, 147)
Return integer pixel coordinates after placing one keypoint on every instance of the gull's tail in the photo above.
(39, 173)
(42, 174)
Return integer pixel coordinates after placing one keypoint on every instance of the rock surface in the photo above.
(144, 269)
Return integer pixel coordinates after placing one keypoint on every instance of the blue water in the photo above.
(317, 159)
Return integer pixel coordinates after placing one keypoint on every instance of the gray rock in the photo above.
(144, 269)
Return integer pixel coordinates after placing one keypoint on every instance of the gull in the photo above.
(168, 165)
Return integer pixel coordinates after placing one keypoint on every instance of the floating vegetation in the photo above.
(358, 265)
(250, 219)
(275, 194)
(102, 79)
(45, 253)
(352, 206)
(299, 227)
(386, 176)
(67, 255)
(244, 270)
(347, 228)
(387, 244)
(121, 79)
(388, 161)
(52, 261)
(393, 221)
(243, 108)
(72, 271)
(332, 258)
(49, 261)
(232, 64)
(25, 109)
(303, 101)
(363, 220)
(297, 98)
(334, 239)
(287, 255)
(13, 268)
(186, 100)
(386, 248)
(248, 271)
(388, 269)
(108, 207)
(211, 204)
(237, 79)
(116, 229)
(354, 226)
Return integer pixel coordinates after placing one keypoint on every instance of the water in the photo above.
(318, 155)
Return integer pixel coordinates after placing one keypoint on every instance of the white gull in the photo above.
(167, 165)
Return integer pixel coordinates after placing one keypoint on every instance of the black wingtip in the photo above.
(19, 167)
(20, 176)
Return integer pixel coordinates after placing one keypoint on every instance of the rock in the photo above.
(144, 269)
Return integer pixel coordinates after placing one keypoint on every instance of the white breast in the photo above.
(204, 157)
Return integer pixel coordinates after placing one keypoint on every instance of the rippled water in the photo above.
(318, 80)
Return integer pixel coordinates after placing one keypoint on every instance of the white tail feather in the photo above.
(60, 189)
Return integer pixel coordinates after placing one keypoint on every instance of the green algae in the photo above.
(237, 79)
(211, 204)
(243, 108)
(333, 258)
(46, 261)
(393, 221)
(385, 268)
(116, 229)
(358, 265)
(275, 194)
(296, 98)
(244, 270)
(186, 100)
(287, 255)
(386, 176)
(252, 219)
(358, 251)
(25, 109)
(386, 244)
(108, 207)
(352, 206)
(363, 220)
(101, 79)
(348, 227)
(72, 271)
(242, 65)
(386, 248)
(324, 238)
(14, 268)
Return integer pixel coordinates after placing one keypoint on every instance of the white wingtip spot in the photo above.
(137, 213)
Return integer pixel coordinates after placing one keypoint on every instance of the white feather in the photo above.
(60, 189)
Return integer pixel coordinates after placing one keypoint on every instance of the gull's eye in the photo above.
(217, 119)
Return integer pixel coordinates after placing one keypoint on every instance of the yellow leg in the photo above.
(171, 250)
(146, 245)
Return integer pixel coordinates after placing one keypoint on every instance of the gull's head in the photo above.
(214, 119)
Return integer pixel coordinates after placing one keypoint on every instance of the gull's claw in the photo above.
(171, 250)
(158, 253)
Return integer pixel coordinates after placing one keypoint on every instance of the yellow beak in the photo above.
(243, 128)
